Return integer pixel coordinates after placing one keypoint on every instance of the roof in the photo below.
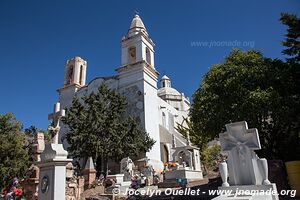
(165, 77)
(137, 26)
(168, 91)
(137, 23)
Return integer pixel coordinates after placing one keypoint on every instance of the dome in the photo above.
(168, 91)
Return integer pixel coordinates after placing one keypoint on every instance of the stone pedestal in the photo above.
(53, 172)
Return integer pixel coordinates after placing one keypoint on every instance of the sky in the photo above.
(38, 36)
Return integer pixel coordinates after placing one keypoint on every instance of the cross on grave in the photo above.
(244, 166)
(238, 136)
(55, 117)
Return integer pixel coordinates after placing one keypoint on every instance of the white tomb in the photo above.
(244, 173)
(189, 165)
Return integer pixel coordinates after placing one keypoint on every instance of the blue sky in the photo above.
(38, 36)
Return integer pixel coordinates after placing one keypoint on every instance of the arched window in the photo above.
(132, 54)
(70, 75)
(80, 74)
(148, 56)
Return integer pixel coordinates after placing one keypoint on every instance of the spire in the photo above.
(137, 26)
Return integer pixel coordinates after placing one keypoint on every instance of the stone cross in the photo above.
(55, 117)
(244, 166)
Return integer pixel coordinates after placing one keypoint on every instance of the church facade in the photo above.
(157, 105)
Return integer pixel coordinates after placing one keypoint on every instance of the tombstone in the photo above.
(189, 164)
(148, 173)
(244, 169)
(126, 168)
(89, 173)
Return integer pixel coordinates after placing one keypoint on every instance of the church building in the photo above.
(156, 104)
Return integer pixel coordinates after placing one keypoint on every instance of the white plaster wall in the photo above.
(151, 121)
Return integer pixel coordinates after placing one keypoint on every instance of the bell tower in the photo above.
(136, 45)
(137, 73)
(74, 79)
(75, 72)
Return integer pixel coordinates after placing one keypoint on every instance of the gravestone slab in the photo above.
(244, 169)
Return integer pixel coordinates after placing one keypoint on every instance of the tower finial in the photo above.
(136, 12)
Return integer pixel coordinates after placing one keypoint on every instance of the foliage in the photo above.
(98, 127)
(292, 41)
(14, 160)
(261, 91)
(211, 157)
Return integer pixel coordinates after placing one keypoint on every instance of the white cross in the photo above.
(240, 143)
(55, 117)
(238, 135)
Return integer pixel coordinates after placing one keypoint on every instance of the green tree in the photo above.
(211, 158)
(14, 160)
(247, 86)
(292, 41)
(98, 127)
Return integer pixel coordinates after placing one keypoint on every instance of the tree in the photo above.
(14, 160)
(292, 41)
(262, 91)
(211, 158)
(98, 128)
